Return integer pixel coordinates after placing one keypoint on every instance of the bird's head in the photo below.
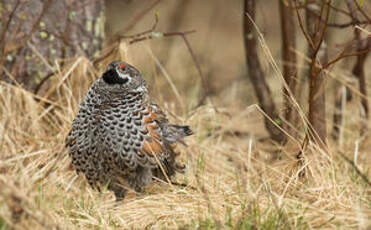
(120, 77)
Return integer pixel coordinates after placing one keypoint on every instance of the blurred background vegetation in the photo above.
(60, 30)
(39, 37)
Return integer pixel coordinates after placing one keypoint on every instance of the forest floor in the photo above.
(236, 178)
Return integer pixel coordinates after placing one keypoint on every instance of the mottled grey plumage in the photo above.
(118, 133)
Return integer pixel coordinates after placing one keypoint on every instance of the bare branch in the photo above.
(144, 32)
(340, 10)
(318, 45)
(150, 34)
(41, 83)
(319, 22)
(341, 56)
(167, 34)
(306, 35)
(135, 19)
(204, 81)
(119, 35)
(344, 25)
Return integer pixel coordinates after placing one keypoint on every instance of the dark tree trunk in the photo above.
(318, 54)
(359, 72)
(256, 74)
(288, 35)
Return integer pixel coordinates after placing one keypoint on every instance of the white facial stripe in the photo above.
(123, 76)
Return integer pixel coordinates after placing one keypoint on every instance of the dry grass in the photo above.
(234, 180)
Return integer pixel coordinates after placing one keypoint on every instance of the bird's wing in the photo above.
(170, 132)
(153, 143)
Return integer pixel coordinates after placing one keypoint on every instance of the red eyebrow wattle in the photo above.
(122, 65)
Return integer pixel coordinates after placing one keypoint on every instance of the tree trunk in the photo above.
(288, 46)
(256, 74)
(359, 72)
(55, 30)
(318, 55)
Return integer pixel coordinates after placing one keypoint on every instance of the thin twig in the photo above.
(341, 56)
(43, 80)
(319, 22)
(353, 22)
(198, 67)
(322, 38)
(135, 19)
(361, 10)
(144, 32)
(344, 25)
(306, 35)
(117, 37)
(159, 34)
(305, 6)
(152, 35)
(340, 10)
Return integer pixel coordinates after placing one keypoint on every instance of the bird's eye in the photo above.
(122, 66)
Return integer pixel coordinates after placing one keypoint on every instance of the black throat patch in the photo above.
(112, 77)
